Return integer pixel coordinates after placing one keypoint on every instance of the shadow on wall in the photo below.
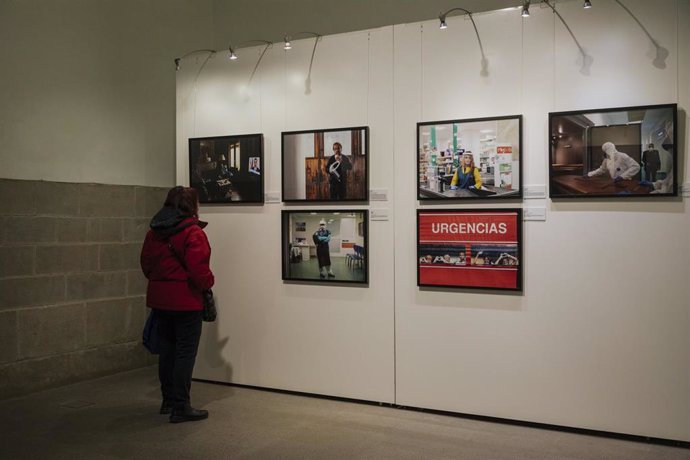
(212, 352)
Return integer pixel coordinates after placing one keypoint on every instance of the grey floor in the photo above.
(116, 418)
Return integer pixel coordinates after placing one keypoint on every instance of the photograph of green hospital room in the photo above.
(325, 246)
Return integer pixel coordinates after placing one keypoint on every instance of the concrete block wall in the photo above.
(72, 303)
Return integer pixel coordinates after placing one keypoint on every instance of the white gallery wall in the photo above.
(597, 340)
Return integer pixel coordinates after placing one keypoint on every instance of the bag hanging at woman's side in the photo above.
(210, 311)
(150, 335)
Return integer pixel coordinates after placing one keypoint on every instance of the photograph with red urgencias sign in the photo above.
(474, 249)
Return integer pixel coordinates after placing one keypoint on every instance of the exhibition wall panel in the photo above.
(327, 339)
(596, 340)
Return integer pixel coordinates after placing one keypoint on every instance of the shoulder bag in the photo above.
(210, 311)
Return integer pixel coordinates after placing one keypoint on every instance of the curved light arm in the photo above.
(179, 59)
(442, 19)
(266, 44)
(288, 46)
(232, 49)
(442, 16)
(288, 37)
(567, 28)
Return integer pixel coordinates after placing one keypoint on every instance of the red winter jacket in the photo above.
(171, 286)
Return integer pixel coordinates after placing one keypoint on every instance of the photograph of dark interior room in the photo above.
(325, 165)
(325, 246)
(613, 152)
(462, 159)
(227, 169)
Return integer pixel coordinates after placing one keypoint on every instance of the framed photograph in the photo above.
(326, 165)
(619, 152)
(470, 248)
(478, 158)
(325, 246)
(227, 169)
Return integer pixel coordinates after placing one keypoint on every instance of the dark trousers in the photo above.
(338, 190)
(179, 334)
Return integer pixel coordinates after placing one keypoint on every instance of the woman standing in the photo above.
(467, 175)
(175, 260)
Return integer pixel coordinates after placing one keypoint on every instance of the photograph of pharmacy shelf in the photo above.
(469, 159)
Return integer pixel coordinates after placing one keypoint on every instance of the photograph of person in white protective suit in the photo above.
(338, 166)
(618, 165)
(321, 237)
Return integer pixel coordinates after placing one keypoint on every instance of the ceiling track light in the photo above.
(233, 55)
(442, 17)
(287, 39)
(587, 5)
(525, 9)
(178, 60)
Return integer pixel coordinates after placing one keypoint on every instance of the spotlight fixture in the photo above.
(442, 17)
(287, 39)
(288, 46)
(587, 4)
(178, 61)
(233, 56)
(525, 9)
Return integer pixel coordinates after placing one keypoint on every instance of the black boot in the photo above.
(187, 414)
(166, 408)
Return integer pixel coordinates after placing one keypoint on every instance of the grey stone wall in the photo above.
(72, 296)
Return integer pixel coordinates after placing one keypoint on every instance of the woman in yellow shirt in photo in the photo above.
(467, 175)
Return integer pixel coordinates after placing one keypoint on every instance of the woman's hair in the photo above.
(184, 199)
(462, 163)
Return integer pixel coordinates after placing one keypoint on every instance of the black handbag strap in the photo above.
(176, 255)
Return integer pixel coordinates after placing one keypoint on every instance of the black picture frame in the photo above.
(579, 167)
(347, 253)
(468, 252)
(496, 142)
(227, 169)
(305, 159)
